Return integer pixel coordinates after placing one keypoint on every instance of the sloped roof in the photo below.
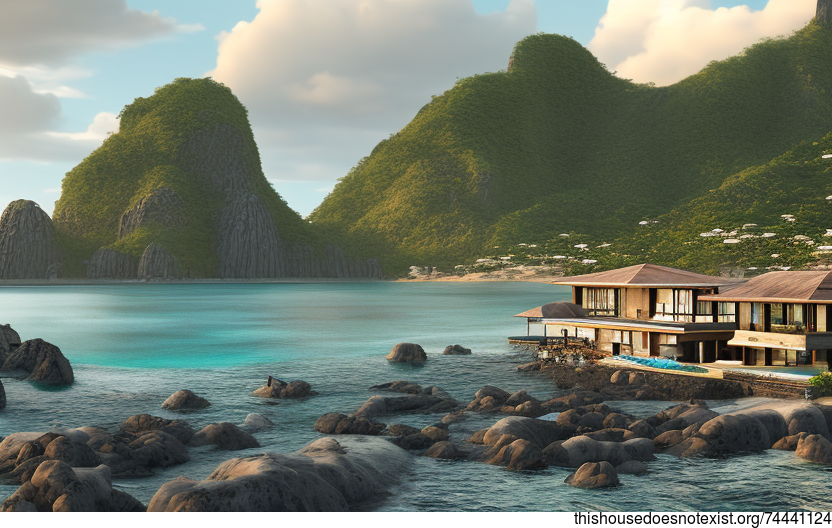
(780, 286)
(556, 310)
(645, 275)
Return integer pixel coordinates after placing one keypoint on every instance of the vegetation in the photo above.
(557, 144)
(146, 154)
(821, 385)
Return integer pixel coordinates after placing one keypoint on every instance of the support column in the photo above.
(701, 352)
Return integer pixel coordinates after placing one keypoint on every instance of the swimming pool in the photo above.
(661, 363)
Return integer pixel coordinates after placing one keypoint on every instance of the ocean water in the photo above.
(133, 345)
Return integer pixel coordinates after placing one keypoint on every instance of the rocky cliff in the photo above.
(824, 12)
(28, 249)
(179, 191)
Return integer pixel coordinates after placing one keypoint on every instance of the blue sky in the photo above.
(322, 84)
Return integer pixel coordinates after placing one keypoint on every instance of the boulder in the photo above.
(185, 400)
(735, 433)
(454, 417)
(413, 441)
(224, 435)
(43, 361)
(581, 449)
(642, 429)
(401, 430)
(276, 388)
(55, 486)
(815, 448)
(159, 449)
(9, 340)
(407, 353)
(436, 434)
(691, 447)
(516, 454)
(612, 435)
(633, 467)
(256, 422)
(381, 405)
(789, 443)
(539, 432)
(617, 421)
(444, 450)
(73, 453)
(403, 386)
(593, 475)
(685, 417)
(337, 423)
(637, 379)
(620, 377)
(141, 423)
(323, 476)
(591, 421)
(456, 350)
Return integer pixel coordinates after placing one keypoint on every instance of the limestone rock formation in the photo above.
(158, 263)
(249, 245)
(28, 249)
(824, 12)
(162, 206)
(323, 476)
(43, 361)
(110, 264)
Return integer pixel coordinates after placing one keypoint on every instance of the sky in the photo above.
(324, 80)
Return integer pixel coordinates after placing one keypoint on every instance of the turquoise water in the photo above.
(133, 345)
(661, 363)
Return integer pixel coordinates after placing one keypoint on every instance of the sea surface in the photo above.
(133, 345)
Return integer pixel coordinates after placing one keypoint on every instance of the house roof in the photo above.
(556, 310)
(645, 275)
(780, 286)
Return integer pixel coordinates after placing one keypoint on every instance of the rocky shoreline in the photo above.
(365, 451)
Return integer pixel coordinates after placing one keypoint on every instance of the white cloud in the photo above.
(350, 72)
(664, 41)
(22, 110)
(103, 124)
(51, 32)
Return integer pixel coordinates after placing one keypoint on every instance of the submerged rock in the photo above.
(337, 423)
(276, 388)
(323, 476)
(456, 350)
(225, 436)
(43, 362)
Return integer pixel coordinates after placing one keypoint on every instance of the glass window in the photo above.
(727, 312)
(757, 315)
(601, 301)
(674, 305)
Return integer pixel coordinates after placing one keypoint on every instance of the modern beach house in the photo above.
(782, 317)
(643, 310)
(779, 318)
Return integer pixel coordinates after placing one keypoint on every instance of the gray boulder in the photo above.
(185, 400)
(224, 435)
(141, 423)
(593, 475)
(382, 405)
(337, 423)
(9, 340)
(256, 422)
(158, 449)
(28, 246)
(323, 476)
(407, 353)
(43, 362)
(444, 450)
(516, 454)
(456, 350)
(578, 450)
(539, 432)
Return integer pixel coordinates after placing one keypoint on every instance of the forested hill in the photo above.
(558, 144)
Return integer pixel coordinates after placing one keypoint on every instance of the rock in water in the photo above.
(28, 249)
(111, 264)
(185, 400)
(323, 476)
(162, 206)
(9, 340)
(594, 475)
(2, 396)
(276, 388)
(224, 435)
(456, 350)
(43, 361)
(407, 353)
(158, 263)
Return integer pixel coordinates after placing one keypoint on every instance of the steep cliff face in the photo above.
(184, 173)
(111, 264)
(163, 206)
(824, 12)
(158, 263)
(28, 249)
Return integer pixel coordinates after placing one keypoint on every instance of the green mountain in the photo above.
(179, 191)
(558, 144)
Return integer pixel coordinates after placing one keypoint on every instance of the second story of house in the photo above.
(782, 302)
(648, 292)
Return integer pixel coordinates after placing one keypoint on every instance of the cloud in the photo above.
(23, 110)
(103, 124)
(51, 32)
(664, 41)
(353, 71)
